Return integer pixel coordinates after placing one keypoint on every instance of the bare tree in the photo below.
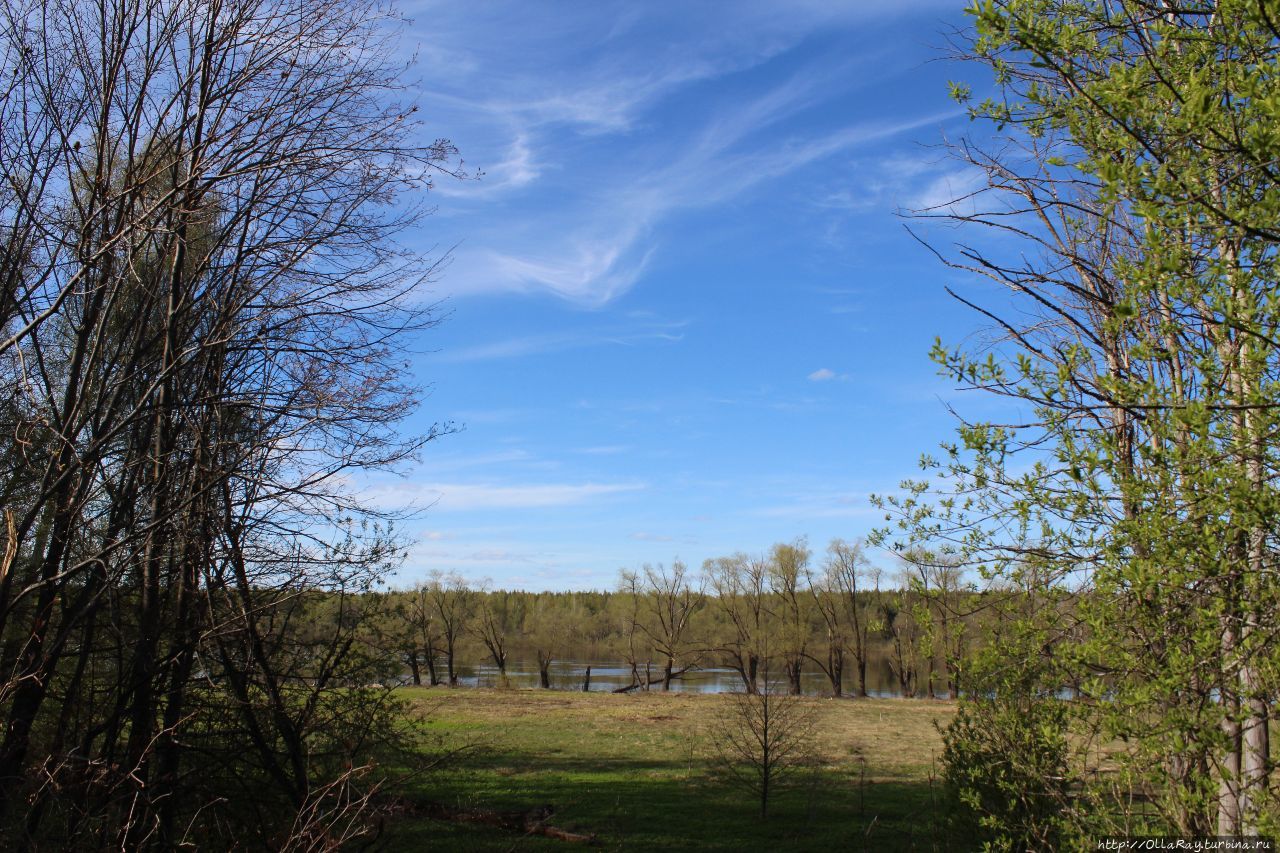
(764, 737)
(552, 630)
(418, 632)
(938, 581)
(663, 605)
(904, 650)
(788, 572)
(844, 566)
(740, 586)
(200, 298)
(491, 626)
(636, 644)
(827, 602)
(673, 597)
(454, 605)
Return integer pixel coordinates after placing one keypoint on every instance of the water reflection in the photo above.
(607, 676)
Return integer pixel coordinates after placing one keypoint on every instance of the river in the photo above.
(610, 675)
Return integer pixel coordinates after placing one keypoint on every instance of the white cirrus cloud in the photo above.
(651, 537)
(455, 497)
(951, 193)
(517, 169)
(596, 129)
(518, 347)
(831, 505)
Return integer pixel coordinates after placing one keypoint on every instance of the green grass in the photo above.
(636, 771)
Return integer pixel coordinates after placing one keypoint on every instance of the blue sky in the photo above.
(684, 317)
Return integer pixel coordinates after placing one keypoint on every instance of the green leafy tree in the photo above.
(1136, 474)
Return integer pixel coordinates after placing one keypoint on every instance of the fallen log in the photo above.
(530, 822)
(649, 682)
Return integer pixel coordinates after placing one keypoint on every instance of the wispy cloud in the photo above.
(594, 264)
(583, 129)
(443, 462)
(822, 505)
(589, 269)
(497, 555)
(518, 169)
(951, 192)
(651, 537)
(660, 538)
(453, 497)
(629, 335)
(645, 162)
(608, 103)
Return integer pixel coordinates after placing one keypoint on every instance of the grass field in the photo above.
(637, 772)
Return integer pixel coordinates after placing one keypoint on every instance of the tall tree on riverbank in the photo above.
(844, 569)
(739, 586)
(420, 629)
(939, 587)
(454, 603)
(667, 600)
(788, 576)
(827, 603)
(552, 631)
(494, 621)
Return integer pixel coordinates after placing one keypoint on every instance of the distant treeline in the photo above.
(771, 617)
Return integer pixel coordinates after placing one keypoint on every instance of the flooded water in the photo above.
(610, 675)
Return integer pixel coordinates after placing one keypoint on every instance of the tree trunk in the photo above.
(1255, 746)
(433, 677)
(766, 769)
(1230, 818)
(1255, 769)
(414, 669)
(33, 681)
(794, 667)
(648, 682)
(586, 680)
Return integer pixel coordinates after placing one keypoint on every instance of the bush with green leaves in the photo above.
(1006, 769)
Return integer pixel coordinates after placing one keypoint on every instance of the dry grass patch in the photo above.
(639, 770)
